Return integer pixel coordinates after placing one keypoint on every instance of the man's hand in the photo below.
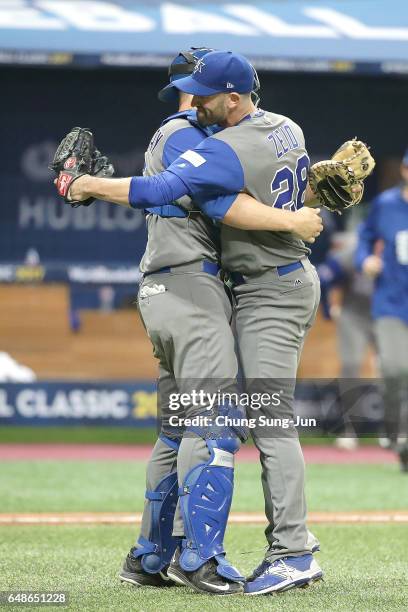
(372, 266)
(77, 190)
(86, 188)
(76, 157)
(307, 223)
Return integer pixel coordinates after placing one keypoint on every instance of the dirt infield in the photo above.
(117, 518)
(110, 452)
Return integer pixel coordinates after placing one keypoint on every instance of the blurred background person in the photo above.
(349, 306)
(387, 221)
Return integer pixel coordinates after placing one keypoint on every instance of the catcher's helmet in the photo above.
(257, 88)
(182, 65)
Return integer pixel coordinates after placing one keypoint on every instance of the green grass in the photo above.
(78, 435)
(365, 570)
(365, 565)
(114, 435)
(49, 486)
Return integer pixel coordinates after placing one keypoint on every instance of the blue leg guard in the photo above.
(205, 500)
(157, 551)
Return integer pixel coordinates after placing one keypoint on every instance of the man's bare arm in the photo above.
(110, 190)
(249, 214)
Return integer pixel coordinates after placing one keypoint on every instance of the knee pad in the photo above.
(205, 501)
(157, 551)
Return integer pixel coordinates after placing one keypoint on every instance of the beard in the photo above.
(216, 115)
(204, 117)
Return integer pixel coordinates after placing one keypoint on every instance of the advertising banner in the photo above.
(321, 406)
(337, 35)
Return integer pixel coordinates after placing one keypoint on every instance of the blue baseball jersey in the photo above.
(387, 221)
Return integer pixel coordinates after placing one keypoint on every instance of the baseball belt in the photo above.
(236, 278)
(209, 267)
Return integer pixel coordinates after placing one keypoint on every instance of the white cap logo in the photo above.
(230, 85)
(199, 66)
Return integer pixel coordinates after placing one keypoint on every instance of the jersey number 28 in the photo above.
(288, 185)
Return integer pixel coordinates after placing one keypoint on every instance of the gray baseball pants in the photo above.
(355, 332)
(189, 327)
(392, 341)
(272, 317)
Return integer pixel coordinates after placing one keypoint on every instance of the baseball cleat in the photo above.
(133, 573)
(204, 580)
(258, 570)
(284, 574)
(312, 542)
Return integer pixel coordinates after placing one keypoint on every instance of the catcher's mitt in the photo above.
(76, 155)
(338, 182)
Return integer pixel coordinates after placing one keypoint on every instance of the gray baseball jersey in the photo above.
(271, 151)
(265, 156)
(172, 240)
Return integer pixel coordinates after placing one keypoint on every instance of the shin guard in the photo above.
(157, 551)
(205, 500)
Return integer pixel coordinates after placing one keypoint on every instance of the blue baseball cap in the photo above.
(219, 72)
(405, 158)
(181, 66)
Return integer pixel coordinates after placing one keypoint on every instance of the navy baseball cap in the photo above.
(405, 158)
(181, 66)
(219, 72)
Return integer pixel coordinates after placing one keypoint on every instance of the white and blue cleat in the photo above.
(283, 574)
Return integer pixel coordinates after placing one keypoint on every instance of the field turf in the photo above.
(365, 570)
(98, 486)
(365, 564)
(115, 435)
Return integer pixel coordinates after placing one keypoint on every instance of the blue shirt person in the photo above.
(382, 254)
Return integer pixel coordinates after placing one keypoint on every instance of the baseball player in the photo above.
(387, 221)
(346, 294)
(276, 289)
(186, 313)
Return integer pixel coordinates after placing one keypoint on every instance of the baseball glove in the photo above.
(76, 155)
(338, 182)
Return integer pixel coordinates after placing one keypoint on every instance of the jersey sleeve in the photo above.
(367, 235)
(209, 170)
(157, 190)
(216, 208)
